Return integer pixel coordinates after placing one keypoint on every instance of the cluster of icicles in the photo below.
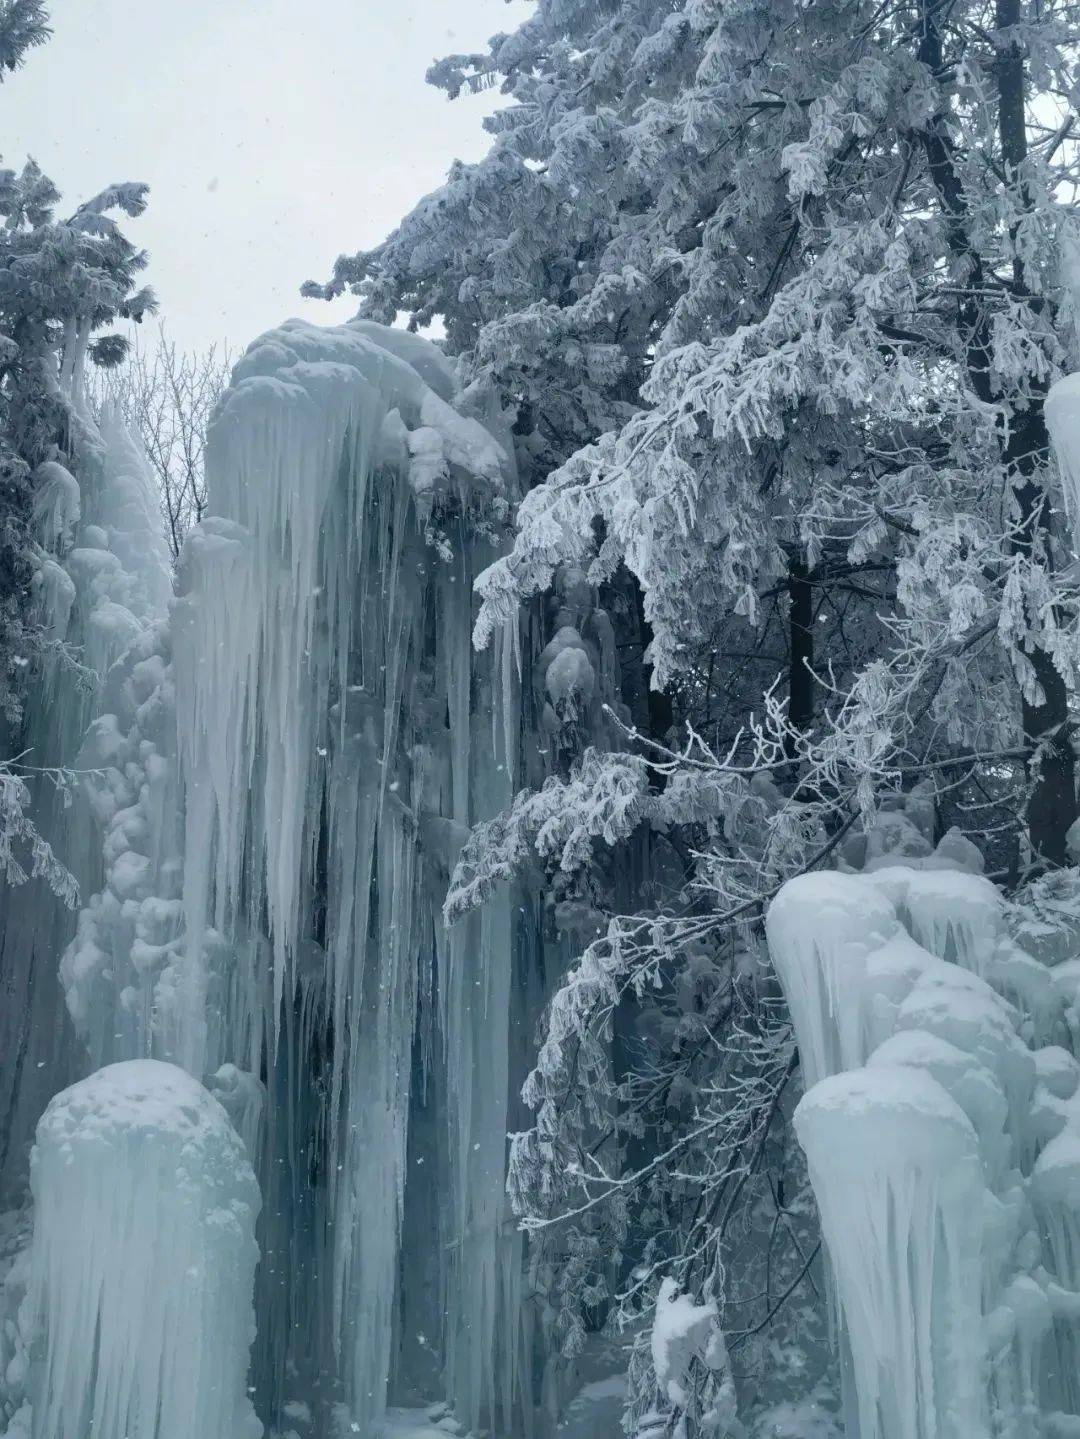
(284, 769)
(941, 1124)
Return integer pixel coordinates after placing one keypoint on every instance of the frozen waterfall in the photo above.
(283, 775)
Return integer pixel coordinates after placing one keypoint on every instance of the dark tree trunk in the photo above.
(1052, 803)
(801, 651)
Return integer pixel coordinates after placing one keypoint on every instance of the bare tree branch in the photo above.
(167, 396)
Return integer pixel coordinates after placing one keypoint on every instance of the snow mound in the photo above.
(682, 1331)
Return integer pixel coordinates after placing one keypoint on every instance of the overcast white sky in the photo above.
(274, 134)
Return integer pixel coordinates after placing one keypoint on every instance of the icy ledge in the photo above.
(941, 1126)
(139, 1306)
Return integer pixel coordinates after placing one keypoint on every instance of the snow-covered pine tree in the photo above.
(61, 283)
(23, 24)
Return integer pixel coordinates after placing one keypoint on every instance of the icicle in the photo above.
(960, 1008)
(283, 776)
(955, 916)
(1055, 1186)
(57, 505)
(243, 1099)
(1062, 411)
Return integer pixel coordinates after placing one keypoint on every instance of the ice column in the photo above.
(893, 1161)
(336, 739)
(942, 1148)
(143, 1261)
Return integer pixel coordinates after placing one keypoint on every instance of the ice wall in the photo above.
(102, 580)
(285, 775)
(119, 967)
(940, 1125)
(138, 1313)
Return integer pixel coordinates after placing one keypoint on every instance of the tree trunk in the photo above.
(801, 652)
(1052, 803)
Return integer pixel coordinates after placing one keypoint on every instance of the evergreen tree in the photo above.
(833, 264)
(23, 24)
(61, 283)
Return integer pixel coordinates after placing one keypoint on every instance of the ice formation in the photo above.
(283, 775)
(102, 582)
(1062, 410)
(893, 1160)
(941, 1125)
(139, 1307)
(335, 735)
